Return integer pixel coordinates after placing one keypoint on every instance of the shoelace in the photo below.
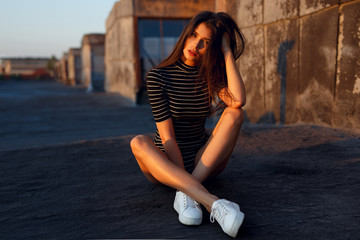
(188, 201)
(218, 212)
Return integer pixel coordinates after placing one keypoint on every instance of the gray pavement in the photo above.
(67, 173)
(42, 113)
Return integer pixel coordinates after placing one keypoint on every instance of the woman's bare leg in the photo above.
(213, 157)
(158, 168)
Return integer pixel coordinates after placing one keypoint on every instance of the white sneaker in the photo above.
(188, 209)
(228, 215)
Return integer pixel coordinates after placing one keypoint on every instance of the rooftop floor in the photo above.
(67, 172)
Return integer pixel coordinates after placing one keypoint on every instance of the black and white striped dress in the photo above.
(174, 92)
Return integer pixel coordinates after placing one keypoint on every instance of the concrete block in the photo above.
(318, 43)
(281, 70)
(92, 58)
(110, 19)
(175, 8)
(124, 8)
(120, 78)
(310, 6)
(74, 66)
(111, 44)
(120, 58)
(85, 65)
(64, 68)
(275, 10)
(251, 66)
(126, 38)
(348, 67)
(249, 13)
(228, 6)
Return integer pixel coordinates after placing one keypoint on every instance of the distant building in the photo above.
(25, 67)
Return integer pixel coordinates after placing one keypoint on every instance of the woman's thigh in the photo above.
(138, 144)
(215, 154)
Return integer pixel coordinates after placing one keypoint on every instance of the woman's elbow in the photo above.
(237, 104)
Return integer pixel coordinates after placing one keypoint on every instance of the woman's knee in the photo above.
(235, 115)
(138, 142)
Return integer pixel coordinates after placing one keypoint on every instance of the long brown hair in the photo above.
(212, 67)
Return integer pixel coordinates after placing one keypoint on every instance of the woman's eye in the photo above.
(193, 34)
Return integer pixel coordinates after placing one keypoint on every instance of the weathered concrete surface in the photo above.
(249, 13)
(92, 61)
(281, 70)
(120, 57)
(322, 67)
(228, 6)
(299, 181)
(280, 9)
(348, 68)
(74, 66)
(317, 66)
(176, 8)
(310, 6)
(252, 68)
(123, 8)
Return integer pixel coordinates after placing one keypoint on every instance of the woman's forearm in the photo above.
(173, 152)
(236, 85)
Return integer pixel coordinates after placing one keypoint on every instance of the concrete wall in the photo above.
(92, 61)
(121, 56)
(301, 63)
(74, 66)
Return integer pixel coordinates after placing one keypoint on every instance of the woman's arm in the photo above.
(161, 111)
(236, 87)
(167, 135)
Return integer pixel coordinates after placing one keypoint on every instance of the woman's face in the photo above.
(196, 45)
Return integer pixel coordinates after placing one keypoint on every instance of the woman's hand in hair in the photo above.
(225, 43)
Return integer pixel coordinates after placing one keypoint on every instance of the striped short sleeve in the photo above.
(157, 96)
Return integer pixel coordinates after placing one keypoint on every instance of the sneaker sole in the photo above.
(237, 223)
(187, 221)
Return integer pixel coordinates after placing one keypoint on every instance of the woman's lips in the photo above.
(192, 53)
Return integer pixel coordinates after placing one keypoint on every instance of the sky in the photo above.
(42, 28)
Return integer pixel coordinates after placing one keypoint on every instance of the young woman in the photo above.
(199, 73)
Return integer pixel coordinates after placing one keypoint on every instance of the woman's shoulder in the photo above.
(154, 74)
(155, 77)
(160, 72)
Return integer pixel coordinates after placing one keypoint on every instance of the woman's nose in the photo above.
(198, 43)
